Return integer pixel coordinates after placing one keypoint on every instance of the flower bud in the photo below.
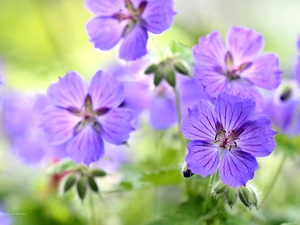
(245, 196)
(219, 188)
(81, 188)
(151, 69)
(230, 196)
(69, 183)
(254, 196)
(181, 67)
(170, 76)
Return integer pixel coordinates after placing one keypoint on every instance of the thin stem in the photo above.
(179, 116)
(208, 195)
(92, 209)
(273, 181)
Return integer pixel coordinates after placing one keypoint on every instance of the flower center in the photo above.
(132, 14)
(226, 140)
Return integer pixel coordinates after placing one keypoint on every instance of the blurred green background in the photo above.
(43, 39)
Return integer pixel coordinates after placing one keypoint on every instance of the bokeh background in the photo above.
(41, 40)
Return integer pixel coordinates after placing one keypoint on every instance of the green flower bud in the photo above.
(81, 188)
(219, 188)
(245, 196)
(230, 196)
(98, 173)
(151, 69)
(93, 185)
(170, 76)
(254, 197)
(159, 75)
(182, 67)
(69, 182)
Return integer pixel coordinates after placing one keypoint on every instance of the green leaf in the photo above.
(62, 166)
(69, 182)
(126, 185)
(163, 177)
(93, 185)
(98, 173)
(81, 188)
(181, 51)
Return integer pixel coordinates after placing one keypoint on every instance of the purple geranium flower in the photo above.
(130, 20)
(229, 137)
(237, 67)
(81, 117)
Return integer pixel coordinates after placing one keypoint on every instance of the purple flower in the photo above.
(237, 67)
(298, 60)
(227, 137)
(130, 20)
(5, 218)
(82, 117)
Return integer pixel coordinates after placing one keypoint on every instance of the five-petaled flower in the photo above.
(130, 20)
(237, 67)
(227, 137)
(81, 117)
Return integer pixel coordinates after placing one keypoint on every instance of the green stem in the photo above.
(179, 116)
(208, 194)
(92, 209)
(273, 181)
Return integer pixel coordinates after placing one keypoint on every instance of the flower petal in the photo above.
(237, 167)
(105, 32)
(69, 91)
(58, 124)
(264, 72)
(86, 146)
(159, 15)
(163, 112)
(202, 158)
(116, 125)
(105, 7)
(200, 122)
(256, 136)
(134, 44)
(106, 91)
(244, 44)
(232, 111)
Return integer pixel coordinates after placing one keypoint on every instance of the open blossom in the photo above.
(82, 117)
(227, 137)
(236, 67)
(130, 20)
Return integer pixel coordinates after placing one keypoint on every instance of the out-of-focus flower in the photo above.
(228, 136)
(236, 67)
(81, 117)
(130, 20)
(5, 219)
(22, 115)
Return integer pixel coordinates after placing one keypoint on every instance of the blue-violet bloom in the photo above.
(227, 137)
(82, 117)
(236, 67)
(130, 20)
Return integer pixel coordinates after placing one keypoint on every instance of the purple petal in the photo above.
(105, 7)
(69, 91)
(264, 72)
(256, 136)
(106, 91)
(237, 167)
(244, 44)
(163, 112)
(58, 124)
(86, 146)
(105, 32)
(116, 125)
(159, 15)
(134, 44)
(200, 122)
(232, 111)
(202, 158)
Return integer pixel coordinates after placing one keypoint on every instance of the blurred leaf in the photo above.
(69, 182)
(288, 145)
(93, 185)
(81, 188)
(290, 223)
(126, 185)
(62, 166)
(98, 173)
(165, 176)
(181, 51)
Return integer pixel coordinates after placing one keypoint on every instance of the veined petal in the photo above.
(163, 112)
(159, 15)
(256, 136)
(105, 7)
(86, 146)
(69, 91)
(106, 91)
(244, 44)
(237, 167)
(202, 158)
(58, 124)
(134, 44)
(264, 72)
(105, 32)
(232, 111)
(200, 122)
(116, 125)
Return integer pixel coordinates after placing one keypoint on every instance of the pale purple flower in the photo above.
(82, 117)
(130, 20)
(237, 67)
(298, 60)
(227, 137)
(5, 218)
